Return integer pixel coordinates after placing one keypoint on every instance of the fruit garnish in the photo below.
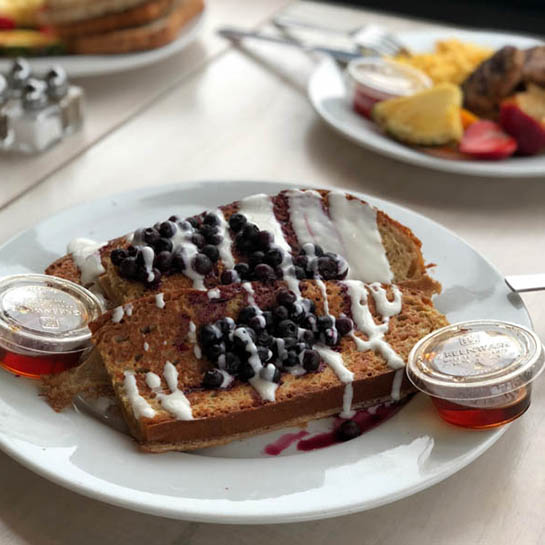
(532, 102)
(529, 133)
(429, 118)
(467, 118)
(486, 140)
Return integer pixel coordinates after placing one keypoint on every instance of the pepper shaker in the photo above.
(18, 76)
(68, 97)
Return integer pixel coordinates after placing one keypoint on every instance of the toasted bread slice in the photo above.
(56, 12)
(400, 248)
(142, 341)
(152, 35)
(138, 15)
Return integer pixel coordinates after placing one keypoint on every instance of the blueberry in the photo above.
(318, 251)
(250, 231)
(198, 240)
(310, 322)
(225, 325)
(309, 305)
(178, 261)
(257, 323)
(310, 360)
(287, 328)
(348, 430)
(256, 258)
(325, 322)
(228, 277)
(299, 273)
(306, 336)
(292, 359)
(194, 222)
(246, 372)
(212, 379)
(232, 363)
(286, 297)
(202, 264)
(264, 240)
(243, 270)
(290, 342)
(344, 325)
(207, 230)
(174, 219)
(163, 245)
(118, 255)
(246, 314)
(265, 273)
(331, 337)
(327, 268)
(211, 219)
(264, 339)
(264, 354)
(271, 377)
(297, 312)
(301, 261)
(156, 278)
(237, 222)
(132, 251)
(163, 261)
(209, 334)
(211, 252)
(128, 267)
(269, 318)
(214, 239)
(167, 229)
(299, 347)
(280, 313)
(274, 257)
(214, 351)
(243, 245)
(150, 235)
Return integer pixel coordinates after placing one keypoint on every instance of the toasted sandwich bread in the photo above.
(150, 350)
(56, 12)
(376, 247)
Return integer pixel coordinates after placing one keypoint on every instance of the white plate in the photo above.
(99, 65)
(328, 95)
(237, 483)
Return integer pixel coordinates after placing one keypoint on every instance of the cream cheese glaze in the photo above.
(86, 255)
(140, 407)
(175, 403)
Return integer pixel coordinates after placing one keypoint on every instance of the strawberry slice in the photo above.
(486, 140)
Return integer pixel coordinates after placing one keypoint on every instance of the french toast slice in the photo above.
(298, 217)
(160, 337)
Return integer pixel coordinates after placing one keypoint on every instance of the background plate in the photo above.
(237, 483)
(100, 65)
(327, 93)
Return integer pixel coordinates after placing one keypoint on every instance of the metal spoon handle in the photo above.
(526, 282)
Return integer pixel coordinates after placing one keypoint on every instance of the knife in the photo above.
(526, 282)
(340, 55)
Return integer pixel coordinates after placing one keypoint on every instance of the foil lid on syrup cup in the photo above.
(41, 315)
(475, 360)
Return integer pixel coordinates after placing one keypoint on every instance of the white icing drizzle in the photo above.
(251, 294)
(385, 307)
(175, 403)
(366, 324)
(335, 361)
(192, 336)
(153, 381)
(265, 388)
(323, 290)
(396, 384)
(182, 240)
(117, 314)
(128, 309)
(139, 405)
(146, 347)
(148, 255)
(214, 294)
(227, 378)
(86, 255)
(362, 246)
(348, 395)
(160, 300)
(259, 209)
(224, 247)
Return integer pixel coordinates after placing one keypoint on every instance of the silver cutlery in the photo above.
(526, 282)
(341, 55)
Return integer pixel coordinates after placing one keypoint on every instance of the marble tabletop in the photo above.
(218, 112)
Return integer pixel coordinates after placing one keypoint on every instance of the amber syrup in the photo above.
(483, 417)
(35, 366)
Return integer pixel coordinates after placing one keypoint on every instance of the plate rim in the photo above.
(414, 157)
(240, 517)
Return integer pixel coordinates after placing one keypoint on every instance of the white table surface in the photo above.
(217, 112)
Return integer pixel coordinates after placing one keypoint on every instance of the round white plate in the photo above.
(99, 65)
(328, 94)
(237, 483)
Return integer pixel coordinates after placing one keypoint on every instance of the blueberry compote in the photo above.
(283, 335)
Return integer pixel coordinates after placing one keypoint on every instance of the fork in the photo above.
(368, 37)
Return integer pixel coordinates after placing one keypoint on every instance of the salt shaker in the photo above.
(34, 123)
(18, 76)
(68, 97)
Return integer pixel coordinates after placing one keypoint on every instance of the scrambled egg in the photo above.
(451, 62)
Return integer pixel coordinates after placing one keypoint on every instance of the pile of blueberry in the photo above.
(168, 259)
(283, 335)
(264, 259)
